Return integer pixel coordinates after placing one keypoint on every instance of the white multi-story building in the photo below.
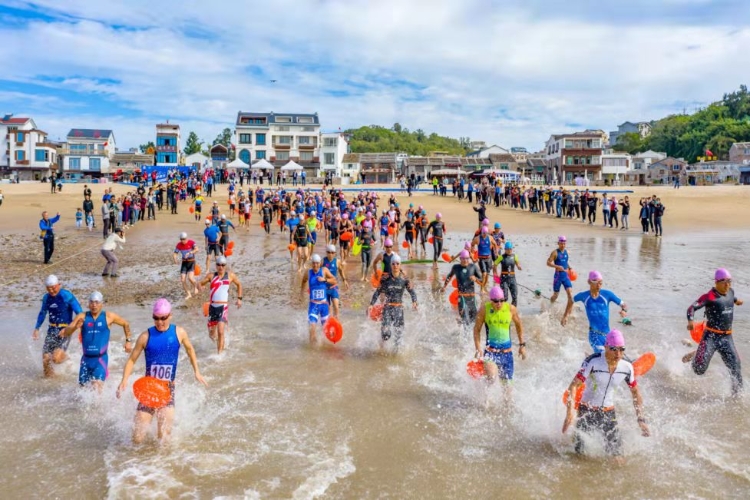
(88, 152)
(614, 166)
(26, 152)
(574, 155)
(278, 138)
(333, 147)
(642, 161)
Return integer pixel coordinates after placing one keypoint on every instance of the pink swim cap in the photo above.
(438, 215)
(464, 254)
(467, 245)
(486, 222)
(595, 276)
(722, 274)
(367, 224)
(561, 238)
(615, 339)
(496, 293)
(421, 207)
(345, 216)
(388, 242)
(162, 307)
(485, 230)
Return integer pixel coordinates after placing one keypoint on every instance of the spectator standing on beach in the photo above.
(48, 235)
(625, 204)
(658, 214)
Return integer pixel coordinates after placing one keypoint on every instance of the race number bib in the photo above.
(318, 294)
(162, 372)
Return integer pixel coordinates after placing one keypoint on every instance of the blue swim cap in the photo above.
(508, 245)
(497, 225)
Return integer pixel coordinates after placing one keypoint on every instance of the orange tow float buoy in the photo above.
(152, 392)
(475, 368)
(376, 312)
(333, 330)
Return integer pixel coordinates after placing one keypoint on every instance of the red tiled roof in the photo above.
(15, 121)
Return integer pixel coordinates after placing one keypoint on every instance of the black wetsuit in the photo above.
(717, 335)
(438, 228)
(393, 287)
(508, 276)
(467, 305)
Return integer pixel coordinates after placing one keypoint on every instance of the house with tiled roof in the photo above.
(26, 153)
(350, 166)
(504, 161)
(379, 168)
(740, 153)
(88, 151)
(574, 155)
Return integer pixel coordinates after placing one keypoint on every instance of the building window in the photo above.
(329, 158)
(308, 129)
(260, 139)
(284, 139)
(95, 163)
(20, 155)
(246, 138)
(304, 140)
(40, 155)
(304, 119)
(283, 128)
(283, 119)
(330, 141)
(245, 155)
(19, 137)
(74, 163)
(282, 155)
(260, 155)
(306, 155)
(675, 167)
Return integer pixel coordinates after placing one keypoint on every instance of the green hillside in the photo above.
(714, 128)
(377, 139)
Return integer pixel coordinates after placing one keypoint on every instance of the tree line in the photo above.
(714, 128)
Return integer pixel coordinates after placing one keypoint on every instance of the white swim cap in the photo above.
(331, 248)
(208, 221)
(96, 296)
(396, 259)
(183, 236)
(51, 280)
(316, 258)
(221, 259)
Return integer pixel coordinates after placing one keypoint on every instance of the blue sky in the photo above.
(507, 72)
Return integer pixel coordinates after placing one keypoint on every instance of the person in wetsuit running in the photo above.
(717, 334)
(392, 288)
(385, 257)
(558, 259)
(331, 263)
(438, 232)
(161, 344)
(95, 330)
(496, 316)
(366, 239)
(601, 372)
(508, 262)
(596, 301)
(319, 278)
(61, 305)
(466, 273)
(485, 246)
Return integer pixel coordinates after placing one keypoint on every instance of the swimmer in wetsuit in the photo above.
(508, 262)
(61, 305)
(466, 273)
(95, 331)
(596, 301)
(496, 316)
(161, 344)
(438, 233)
(384, 257)
(602, 372)
(218, 308)
(485, 246)
(186, 249)
(558, 259)
(392, 288)
(717, 335)
(319, 279)
(331, 263)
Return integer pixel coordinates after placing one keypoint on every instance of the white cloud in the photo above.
(472, 58)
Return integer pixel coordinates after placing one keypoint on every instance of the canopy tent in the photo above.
(448, 171)
(238, 164)
(262, 164)
(505, 174)
(292, 165)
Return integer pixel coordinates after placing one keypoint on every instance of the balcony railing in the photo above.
(83, 152)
